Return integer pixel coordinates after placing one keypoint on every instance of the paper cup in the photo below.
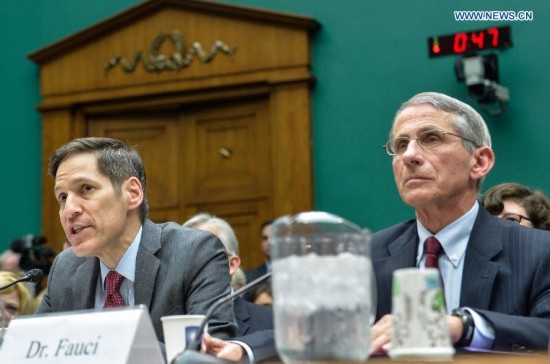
(420, 330)
(179, 331)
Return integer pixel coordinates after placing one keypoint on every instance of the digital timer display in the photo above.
(469, 42)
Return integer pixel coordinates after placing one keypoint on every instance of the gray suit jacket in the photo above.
(178, 271)
(506, 277)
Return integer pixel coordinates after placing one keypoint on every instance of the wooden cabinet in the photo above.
(215, 97)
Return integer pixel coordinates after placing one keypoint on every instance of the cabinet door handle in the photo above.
(225, 152)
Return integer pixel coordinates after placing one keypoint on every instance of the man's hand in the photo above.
(381, 333)
(455, 328)
(222, 349)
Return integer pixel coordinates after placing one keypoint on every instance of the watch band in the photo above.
(468, 326)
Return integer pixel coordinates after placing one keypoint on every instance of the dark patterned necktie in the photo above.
(432, 249)
(112, 290)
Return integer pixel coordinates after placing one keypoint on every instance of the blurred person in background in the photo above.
(518, 203)
(9, 261)
(17, 299)
(265, 267)
(263, 296)
(255, 337)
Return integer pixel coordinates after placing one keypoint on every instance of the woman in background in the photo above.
(518, 203)
(17, 299)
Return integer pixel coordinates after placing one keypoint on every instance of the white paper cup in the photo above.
(420, 330)
(179, 330)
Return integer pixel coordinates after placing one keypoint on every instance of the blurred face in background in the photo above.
(265, 240)
(11, 303)
(10, 261)
(514, 211)
(17, 299)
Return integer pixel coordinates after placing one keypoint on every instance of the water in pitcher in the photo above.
(323, 307)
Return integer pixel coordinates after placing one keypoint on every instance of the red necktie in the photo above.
(112, 287)
(432, 249)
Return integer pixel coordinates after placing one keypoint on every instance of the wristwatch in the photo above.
(468, 326)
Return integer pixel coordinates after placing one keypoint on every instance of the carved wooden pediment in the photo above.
(174, 45)
(216, 97)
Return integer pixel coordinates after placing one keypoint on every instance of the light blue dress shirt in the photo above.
(127, 268)
(454, 239)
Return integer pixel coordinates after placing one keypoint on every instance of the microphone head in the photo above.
(35, 275)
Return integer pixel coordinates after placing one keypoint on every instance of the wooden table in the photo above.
(461, 358)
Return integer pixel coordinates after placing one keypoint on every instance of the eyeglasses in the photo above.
(515, 218)
(427, 139)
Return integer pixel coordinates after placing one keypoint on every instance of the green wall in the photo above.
(368, 57)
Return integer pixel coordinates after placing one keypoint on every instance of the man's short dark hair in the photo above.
(114, 159)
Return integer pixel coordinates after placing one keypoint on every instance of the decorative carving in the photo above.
(157, 62)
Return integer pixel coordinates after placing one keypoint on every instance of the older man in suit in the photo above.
(120, 258)
(255, 339)
(496, 273)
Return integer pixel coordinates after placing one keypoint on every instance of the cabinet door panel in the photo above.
(228, 152)
(155, 137)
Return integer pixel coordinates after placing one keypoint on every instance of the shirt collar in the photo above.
(453, 237)
(127, 264)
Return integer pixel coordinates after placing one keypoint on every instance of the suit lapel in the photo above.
(85, 284)
(479, 271)
(402, 254)
(147, 264)
(242, 316)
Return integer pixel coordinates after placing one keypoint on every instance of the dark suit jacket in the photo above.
(178, 271)
(256, 272)
(506, 277)
(251, 275)
(251, 317)
(255, 328)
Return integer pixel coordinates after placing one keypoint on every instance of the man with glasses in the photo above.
(496, 275)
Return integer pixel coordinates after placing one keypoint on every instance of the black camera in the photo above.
(33, 254)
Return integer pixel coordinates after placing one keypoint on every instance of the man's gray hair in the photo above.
(225, 232)
(468, 123)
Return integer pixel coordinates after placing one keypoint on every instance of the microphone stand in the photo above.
(34, 276)
(192, 354)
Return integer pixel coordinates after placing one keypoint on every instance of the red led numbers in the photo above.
(461, 43)
(493, 33)
(469, 42)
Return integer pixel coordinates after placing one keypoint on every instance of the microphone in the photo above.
(192, 355)
(33, 276)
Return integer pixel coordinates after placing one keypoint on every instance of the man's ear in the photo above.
(482, 162)
(234, 263)
(134, 192)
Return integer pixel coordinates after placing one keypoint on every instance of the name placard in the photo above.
(116, 336)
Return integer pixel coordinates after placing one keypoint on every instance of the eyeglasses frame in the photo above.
(386, 146)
